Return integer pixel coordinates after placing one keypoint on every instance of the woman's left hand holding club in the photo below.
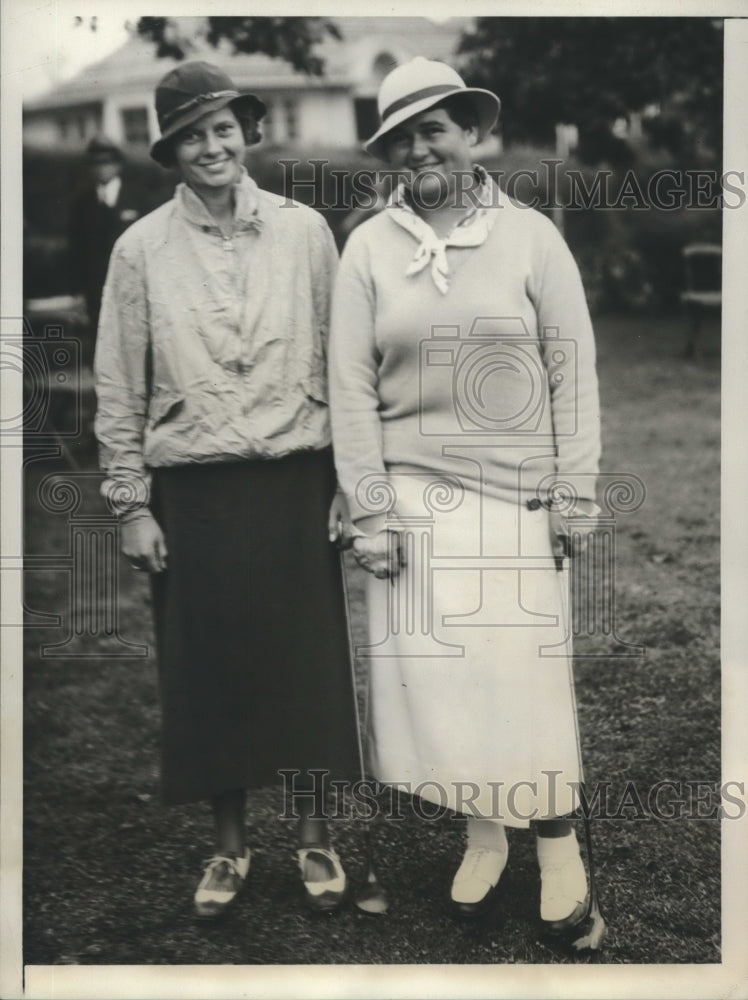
(566, 542)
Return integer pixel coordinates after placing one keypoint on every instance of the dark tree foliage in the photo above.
(289, 38)
(590, 71)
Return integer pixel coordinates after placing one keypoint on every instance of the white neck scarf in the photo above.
(471, 231)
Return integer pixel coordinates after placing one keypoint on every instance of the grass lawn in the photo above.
(109, 873)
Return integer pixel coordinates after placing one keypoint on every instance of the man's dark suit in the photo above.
(94, 228)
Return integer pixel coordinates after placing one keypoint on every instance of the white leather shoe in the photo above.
(476, 880)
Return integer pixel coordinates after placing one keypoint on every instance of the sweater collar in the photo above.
(485, 194)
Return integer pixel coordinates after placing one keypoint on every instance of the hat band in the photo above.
(419, 95)
(170, 116)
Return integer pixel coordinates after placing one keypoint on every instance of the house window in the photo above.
(135, 131)
(292, 121)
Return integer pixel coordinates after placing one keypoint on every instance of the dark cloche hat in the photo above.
(191, 90)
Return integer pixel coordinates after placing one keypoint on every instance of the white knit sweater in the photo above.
(493, 382)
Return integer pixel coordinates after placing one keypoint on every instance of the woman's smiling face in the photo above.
(210, 152)
(431, 149)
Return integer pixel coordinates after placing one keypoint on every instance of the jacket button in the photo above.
(534, 504)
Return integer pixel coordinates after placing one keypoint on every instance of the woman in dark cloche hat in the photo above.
(214, 435)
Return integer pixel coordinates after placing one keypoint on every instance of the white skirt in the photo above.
(471, 700)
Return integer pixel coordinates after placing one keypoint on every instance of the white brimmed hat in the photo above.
(418, 85)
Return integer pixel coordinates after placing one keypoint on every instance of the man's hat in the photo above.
(418, 85)
(190, 91)
(100, 147)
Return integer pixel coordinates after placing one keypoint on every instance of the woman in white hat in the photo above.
(214, 432)
(465, 425)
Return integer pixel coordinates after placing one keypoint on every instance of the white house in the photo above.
(115, 96)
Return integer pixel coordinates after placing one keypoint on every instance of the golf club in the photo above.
(589, 933)
(370, 898)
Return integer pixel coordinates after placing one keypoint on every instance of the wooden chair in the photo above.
(703, 293)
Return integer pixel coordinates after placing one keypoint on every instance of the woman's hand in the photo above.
(339, 526)
(143, 543)
(380, 554)
(563, 542)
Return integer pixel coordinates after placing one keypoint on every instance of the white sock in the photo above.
(557, 849)
(562, 876)
(486, 833)
(480, 871)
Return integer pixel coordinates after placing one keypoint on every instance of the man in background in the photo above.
(100, 213)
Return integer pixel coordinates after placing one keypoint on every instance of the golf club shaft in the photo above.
(359, 735)
(567, 589)
(352, 662)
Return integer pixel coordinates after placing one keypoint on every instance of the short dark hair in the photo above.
(250, 130)
(250, 127)
(461, 110)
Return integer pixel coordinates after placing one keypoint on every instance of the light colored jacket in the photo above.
(212, 349)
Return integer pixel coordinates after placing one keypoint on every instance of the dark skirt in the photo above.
(251, 628)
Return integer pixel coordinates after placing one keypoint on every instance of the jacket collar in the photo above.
(247, 214)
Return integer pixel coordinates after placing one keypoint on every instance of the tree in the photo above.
(591, 71)
(289, 38)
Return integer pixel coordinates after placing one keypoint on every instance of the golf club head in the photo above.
(372, 898)
(590, 933)
(585, 936)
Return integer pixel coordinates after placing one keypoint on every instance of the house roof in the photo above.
(134, 66)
